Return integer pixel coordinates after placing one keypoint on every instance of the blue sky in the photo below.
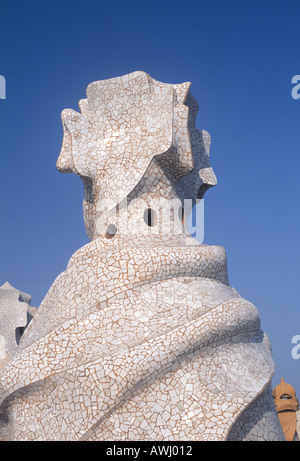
(240, 57)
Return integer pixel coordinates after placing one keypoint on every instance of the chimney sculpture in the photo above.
(287, 405)
(141, 337)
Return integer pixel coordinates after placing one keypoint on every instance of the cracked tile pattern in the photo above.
(14, 306)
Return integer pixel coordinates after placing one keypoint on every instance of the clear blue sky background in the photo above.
(240, 57)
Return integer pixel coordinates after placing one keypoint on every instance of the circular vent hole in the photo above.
(181, 214)
(150, 217)
(111, 231)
